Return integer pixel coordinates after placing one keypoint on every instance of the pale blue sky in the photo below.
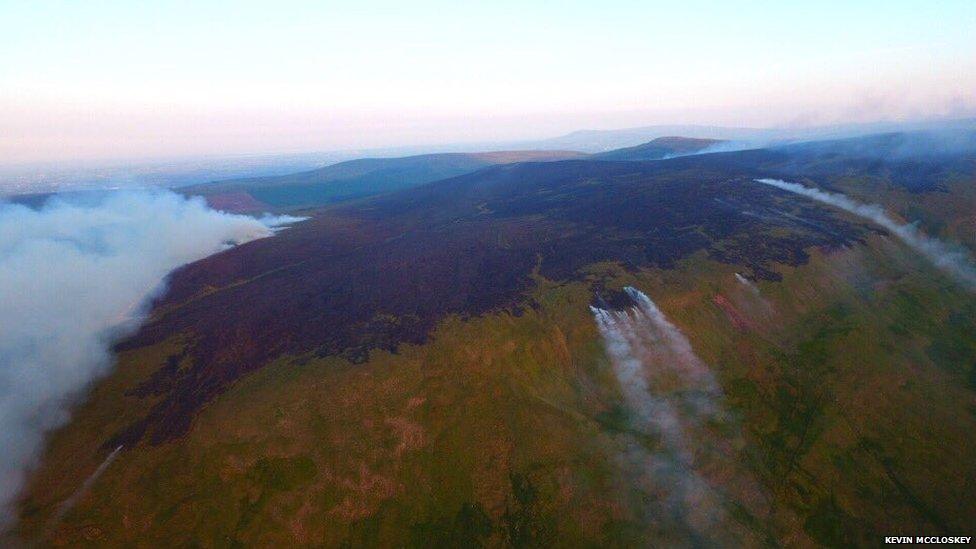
(90, 79)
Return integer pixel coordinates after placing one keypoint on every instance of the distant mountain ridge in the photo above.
(356, 178)
(598, 141)
(360, 178)
(371, 176)
(660, 148)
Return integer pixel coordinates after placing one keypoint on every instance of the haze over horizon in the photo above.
(112, 80)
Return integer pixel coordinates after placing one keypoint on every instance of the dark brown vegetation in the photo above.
(421, 369)
(376, 274)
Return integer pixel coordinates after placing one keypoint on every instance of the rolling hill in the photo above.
(576, 352)
(354, 179)
(599, 141)
(660, 148)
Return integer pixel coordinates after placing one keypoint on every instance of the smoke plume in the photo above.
(695, 467)
(76, 276)
(748, 284)
(673, 394)
(953, 261)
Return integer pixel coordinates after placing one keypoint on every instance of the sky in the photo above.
(122, 79)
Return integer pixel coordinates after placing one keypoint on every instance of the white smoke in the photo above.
(663, 379)
(954, 261)
(68, 504)
(623, 337)
(279, 222)
(74, 278)
(748, 284)
(695, 467)
(749, 308)
(672, 393)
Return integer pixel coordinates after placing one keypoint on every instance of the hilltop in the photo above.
(662, 147)
(355, 179)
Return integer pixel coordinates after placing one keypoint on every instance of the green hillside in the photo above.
(509, 429)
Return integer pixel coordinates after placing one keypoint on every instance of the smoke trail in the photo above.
(956, 262)
(696, 467)
(72, 500)
(75, 277)
(672, 393)
(658, 370)
(279, 222)
(750, 306)
(623, 338)
(750, 285)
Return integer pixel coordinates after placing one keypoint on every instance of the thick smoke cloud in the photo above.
(75, 277)
(953, 261)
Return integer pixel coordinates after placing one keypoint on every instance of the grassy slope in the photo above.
(853, 391)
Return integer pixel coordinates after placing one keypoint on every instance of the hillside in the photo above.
(598, 141)
(454, 365)
(662, 147)
(355, 179)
